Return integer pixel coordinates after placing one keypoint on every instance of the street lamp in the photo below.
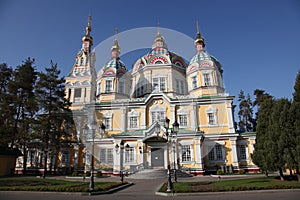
(174, 134)
(166, 126)
(93, 125)
(102, 129)
(157, 129)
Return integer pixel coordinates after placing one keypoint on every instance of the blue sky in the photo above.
(256, 41)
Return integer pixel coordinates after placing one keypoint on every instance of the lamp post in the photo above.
(93, 125)
(174, 134)
(166, 126)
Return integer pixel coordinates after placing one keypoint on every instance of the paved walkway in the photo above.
(146, 183)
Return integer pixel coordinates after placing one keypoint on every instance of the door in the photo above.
(157, 157)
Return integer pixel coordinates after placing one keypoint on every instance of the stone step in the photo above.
(157, 173)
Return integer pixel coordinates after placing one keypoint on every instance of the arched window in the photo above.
(158, 62)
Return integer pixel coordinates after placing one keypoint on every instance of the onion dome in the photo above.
(115, 46)
(88, 30)
(199, 39)
(159, 55)
(115, 66)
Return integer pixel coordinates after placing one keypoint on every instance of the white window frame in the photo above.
(207, 78)
(106, 85)
(106, 155)
(133, 114)
(212, 112)
(77, 99)
(107, 120)
(160, 84)
(186, 153)
(194, 81)
(158, 113)
(121, 87)
(183, 112)
(238, 146)
(129, 155)
(212, 153)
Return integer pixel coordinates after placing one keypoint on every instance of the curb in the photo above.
(108, 191)
(229, 192)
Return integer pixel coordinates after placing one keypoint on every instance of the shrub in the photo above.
(241, 171)
(219, 172)
(74, 174)
(99, 174)
(87, 173)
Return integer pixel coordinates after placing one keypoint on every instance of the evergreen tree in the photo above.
(53, 107)
(6, 115)
(278, 134)
(295, 112)
(245, 113)
(260, 96)
(261, 156)
(23, 105)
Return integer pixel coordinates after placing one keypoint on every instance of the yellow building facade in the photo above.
(122, 112)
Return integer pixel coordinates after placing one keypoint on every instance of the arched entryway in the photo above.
(156, 157)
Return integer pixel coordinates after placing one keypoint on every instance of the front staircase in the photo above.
(157, 174)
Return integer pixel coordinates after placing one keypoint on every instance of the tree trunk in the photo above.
(266, 173)
(291, 172)
(281, 173)
(45, 164)
(24, 160)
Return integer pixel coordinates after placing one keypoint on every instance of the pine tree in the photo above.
(53, 107)
(295, 112)
(23, 104)
(245, 113)
(261, 155)
(278, 134)
(260, 96)
(6, 115)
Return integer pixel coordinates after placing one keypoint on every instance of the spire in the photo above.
(199, 39)
(115, 49)
(87, 40)
(159, 40)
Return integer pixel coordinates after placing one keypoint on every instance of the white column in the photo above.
(172, 113)
(230, 117)
(124, 119)
(234, 152)
(116, 154)
(143, 124)
(199, 160)
(194, 117)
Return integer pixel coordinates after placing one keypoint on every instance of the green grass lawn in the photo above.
(52, 185)
(262, 183)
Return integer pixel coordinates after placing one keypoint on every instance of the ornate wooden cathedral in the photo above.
(162, 112)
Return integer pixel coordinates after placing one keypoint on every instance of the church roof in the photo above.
(114, 63)
(203, 55)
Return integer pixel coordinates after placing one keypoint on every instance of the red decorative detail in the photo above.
(109, 72)
(162, 59)
(179, 61)
(205, 64)
(192, 68)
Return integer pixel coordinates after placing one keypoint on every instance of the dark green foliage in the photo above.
(232, 185)
(53, 107)
(36, 184)
(245, 113)
(295, 118)
(6, 117)
(278, 131)
(260, 154)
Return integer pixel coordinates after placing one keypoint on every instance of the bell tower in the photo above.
(113, 79)
(80, 83)
(204, 73)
